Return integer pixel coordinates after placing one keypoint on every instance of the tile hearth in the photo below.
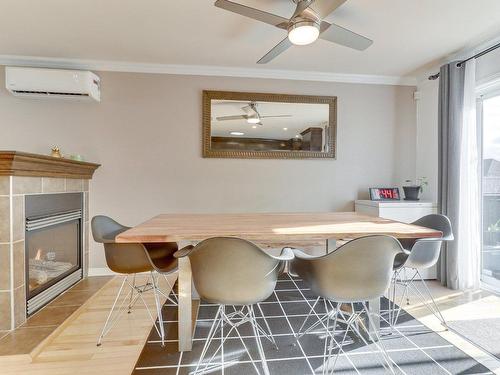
(43, 323)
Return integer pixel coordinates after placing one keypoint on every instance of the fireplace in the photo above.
(53, 247)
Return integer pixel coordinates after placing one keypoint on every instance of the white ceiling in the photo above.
(407, 34)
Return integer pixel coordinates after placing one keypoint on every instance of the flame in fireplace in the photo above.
(38, 254)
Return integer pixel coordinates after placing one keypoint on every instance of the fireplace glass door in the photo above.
(52, 253)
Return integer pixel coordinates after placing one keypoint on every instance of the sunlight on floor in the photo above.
(455, 306)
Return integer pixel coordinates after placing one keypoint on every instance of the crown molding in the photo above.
(488, 84)
(462, 54)
(204, 70)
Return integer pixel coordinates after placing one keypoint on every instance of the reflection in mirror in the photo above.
(268, 125)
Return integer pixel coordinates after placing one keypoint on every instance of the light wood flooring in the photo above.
(74, 351)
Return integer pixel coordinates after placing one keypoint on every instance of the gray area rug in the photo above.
(417, 351)
(484, 333)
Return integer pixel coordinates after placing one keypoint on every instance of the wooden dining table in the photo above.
(287, 229)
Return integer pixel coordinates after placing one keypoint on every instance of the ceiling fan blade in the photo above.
(276, 116)
(256, 14)
(337, 34)
(226, 118)
(248, 109)
(301, 6)
(325, 7)
(275, 51)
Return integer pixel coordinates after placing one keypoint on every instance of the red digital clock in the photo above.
(384, 194)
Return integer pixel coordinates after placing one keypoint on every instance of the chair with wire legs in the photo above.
(129, 259)
(423, 254)
(236, 275)
(345, 280)
(161, 257)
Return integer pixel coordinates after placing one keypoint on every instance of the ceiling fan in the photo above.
(252, 115)
(304, 26)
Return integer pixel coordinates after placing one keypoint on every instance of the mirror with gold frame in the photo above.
(268, 126)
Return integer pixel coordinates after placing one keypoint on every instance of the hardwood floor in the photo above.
(49, 321)
(74, 350)
(456, 305)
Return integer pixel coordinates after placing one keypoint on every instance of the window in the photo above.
(490, 127)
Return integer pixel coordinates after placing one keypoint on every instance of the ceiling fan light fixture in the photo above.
(303, 33)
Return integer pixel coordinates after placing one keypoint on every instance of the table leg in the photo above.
(330, 245)
(374, 308)
(185, 308)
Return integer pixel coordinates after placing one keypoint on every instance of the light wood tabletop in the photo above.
(286, 228)
(269, 226)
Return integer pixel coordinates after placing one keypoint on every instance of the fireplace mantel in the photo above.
(16, 163)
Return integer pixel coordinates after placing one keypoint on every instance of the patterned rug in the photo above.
(413, 348)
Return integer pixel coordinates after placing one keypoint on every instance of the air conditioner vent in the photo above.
(49, 93)
(52, 83)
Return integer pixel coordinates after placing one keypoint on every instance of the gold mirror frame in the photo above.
(208, 96)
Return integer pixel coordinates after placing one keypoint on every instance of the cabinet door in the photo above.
(366, 210)
(405, 214)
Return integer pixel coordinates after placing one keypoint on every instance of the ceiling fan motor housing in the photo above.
(301, 23)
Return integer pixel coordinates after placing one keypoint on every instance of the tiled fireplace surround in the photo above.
(13, 190)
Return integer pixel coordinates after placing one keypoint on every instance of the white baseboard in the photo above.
(105, 271)
(100, 271)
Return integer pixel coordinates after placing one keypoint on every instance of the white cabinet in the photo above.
(404, 211)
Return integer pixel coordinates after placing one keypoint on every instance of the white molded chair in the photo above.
(424, 254)
(351, 275)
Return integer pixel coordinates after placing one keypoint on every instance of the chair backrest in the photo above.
(105, 229)
(360, 270)
(425, 252)
(125, 258)
(233, 271)
(438, 222)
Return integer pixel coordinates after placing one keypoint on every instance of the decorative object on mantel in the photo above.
(76, 157)
(413, 189)
(16, 163)
(55, 152)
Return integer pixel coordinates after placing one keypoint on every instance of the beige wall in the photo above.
(427, 137)
(146, 132)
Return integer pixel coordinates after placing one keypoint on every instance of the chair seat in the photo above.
(400, 259)
(407, 243)
(162, 257)
(165, 265)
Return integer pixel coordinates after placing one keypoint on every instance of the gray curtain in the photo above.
(451, 102)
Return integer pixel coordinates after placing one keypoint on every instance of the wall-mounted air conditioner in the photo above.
(52, 83)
